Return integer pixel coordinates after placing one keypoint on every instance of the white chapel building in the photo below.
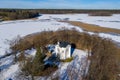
(63, 50)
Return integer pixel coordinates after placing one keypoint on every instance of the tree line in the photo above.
(12, 14)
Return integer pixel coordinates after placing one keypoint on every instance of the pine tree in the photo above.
(38, 64)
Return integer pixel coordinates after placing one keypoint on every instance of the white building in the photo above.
(63, 50)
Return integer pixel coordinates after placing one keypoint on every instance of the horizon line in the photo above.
(62, 8)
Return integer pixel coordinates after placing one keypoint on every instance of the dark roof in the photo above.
(63, 44)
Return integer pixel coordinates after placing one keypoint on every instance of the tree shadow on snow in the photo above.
(73, 46)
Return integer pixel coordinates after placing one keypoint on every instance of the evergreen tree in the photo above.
(38, 64)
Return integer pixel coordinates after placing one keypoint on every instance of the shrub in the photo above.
(67, 60)
(103, 63)
(35, 66)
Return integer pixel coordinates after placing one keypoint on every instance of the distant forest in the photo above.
(13, 14)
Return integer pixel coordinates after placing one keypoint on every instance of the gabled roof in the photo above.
(63, 44)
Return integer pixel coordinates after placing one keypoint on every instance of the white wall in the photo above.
(63, 52)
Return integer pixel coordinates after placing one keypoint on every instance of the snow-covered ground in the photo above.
(11, 29)
(73, 70)
(10, 73)
(9, 70)
(103, 21)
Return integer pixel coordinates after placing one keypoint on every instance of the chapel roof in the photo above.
(63, 44)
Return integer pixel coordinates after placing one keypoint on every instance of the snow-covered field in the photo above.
(104, 21)
(10, 29)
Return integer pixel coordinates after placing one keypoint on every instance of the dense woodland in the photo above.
(104, 60)
(12, 14)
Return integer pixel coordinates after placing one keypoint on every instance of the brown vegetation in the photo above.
(93, 28)
(104, 59)
(100, 14)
